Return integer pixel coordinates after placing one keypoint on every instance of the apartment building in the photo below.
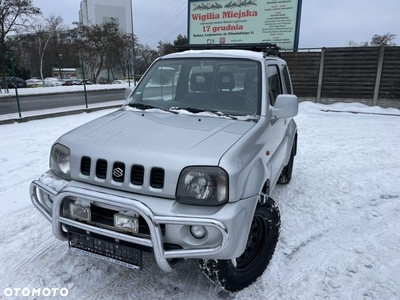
(94, 12)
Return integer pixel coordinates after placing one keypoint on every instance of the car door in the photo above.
(277, 129)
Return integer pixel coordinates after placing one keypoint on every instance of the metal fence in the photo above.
(39, 102)
(370, 75)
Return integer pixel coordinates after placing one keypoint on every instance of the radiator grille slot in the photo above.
(85, 165)
(137, 175)
(157, 178)
(101, 169)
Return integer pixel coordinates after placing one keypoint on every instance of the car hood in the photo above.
(154, 139)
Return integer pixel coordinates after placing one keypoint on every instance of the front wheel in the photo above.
(261, 243)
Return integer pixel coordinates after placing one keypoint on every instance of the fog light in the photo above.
(198, 231)
(80, 212)
(126, 223)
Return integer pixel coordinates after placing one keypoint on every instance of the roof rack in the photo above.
(267, 48)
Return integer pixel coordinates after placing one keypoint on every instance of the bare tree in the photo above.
(165, 48)
(354, 44)
(44, 30)
(42, 37)
(377, 40)
(119, 57)
(96, 43)
(144, 57)
(180, 40)
(384, 39)
(15, 18)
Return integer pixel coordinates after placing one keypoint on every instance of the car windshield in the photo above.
(226, 86)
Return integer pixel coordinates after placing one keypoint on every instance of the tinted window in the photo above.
(286, 78)
(162, 84)
(274, 83)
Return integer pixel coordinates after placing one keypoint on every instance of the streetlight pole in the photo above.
(15, 83)
(84, 80)
(133, 48)
(129, 75)
(2, 51)
(59, 64)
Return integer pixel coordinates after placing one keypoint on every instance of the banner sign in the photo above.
(244, 21)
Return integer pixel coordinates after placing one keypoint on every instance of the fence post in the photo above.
(11, 56)
(378, 75)
(84, 80)
(129, 75)
(320, 75)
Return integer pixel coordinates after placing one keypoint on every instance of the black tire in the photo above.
(262, 240)
(286, 174)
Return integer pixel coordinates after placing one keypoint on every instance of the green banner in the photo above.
(244, 21)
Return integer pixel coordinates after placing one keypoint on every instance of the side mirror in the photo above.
(128, 92)
(286, 106)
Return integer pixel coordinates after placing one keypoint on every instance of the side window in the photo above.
(274, 83)
(162, 84)
(286, 78)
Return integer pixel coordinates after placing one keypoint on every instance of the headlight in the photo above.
(60, 161)
(203, 186)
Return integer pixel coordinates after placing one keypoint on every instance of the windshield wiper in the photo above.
(198, 110)
(146, 106)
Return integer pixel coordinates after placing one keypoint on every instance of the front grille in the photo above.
(103, 216)
(101, 169)
(85, 165)
(122, 173)
(137, 175)
(157, 178)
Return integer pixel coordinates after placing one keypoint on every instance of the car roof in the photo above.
(226, 53)
(217, 53)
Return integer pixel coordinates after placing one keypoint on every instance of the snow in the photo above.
(53, 182)
(339, 237)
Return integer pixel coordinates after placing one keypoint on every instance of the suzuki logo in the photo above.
(118, 172)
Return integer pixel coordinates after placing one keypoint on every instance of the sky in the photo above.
(340, 219)
(324, 23)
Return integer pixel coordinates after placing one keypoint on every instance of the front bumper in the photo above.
(168, 221)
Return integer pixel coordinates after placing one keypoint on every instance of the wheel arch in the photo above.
(258, 179)
(291, 134)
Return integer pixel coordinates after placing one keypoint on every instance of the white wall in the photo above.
(101, 11)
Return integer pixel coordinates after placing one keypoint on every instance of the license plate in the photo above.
(110, 251)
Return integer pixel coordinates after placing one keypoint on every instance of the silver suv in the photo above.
(184, 169)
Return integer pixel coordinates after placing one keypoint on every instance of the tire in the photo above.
(286, 174)
(262, 240)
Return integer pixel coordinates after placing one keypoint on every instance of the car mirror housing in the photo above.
(286, 106)
(128, 92)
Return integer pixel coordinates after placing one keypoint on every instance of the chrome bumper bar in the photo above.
(119, 202)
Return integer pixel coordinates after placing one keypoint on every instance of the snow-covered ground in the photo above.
(340, 232)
